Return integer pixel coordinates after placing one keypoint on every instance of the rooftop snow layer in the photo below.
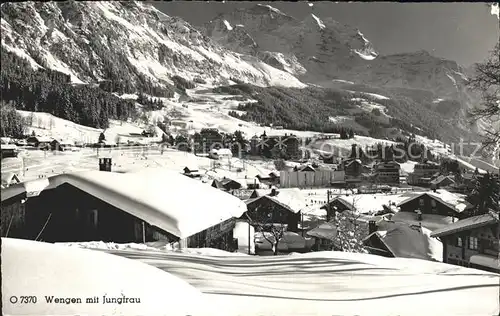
(405, 241)
(466, 224)
(161, 197)
(452, 200)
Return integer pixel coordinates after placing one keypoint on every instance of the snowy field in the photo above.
(320, 283)
(37, 162)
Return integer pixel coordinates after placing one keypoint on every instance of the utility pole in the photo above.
(249, 243)
(328, 209)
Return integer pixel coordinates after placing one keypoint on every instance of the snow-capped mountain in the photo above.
(321, 46)
(260, 45)
(91, 40)
(320, 50)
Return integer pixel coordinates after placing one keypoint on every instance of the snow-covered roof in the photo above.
(163, 198)
(8, 146)
(43, 139)
(467, 224)
(324, 231)
(429, 221)
(405, 241)
(224, 151)
(452, 200)
(369, 203)
(289, 198)
(95, 273)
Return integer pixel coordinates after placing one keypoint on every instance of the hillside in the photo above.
(329, 54)
(73, 59)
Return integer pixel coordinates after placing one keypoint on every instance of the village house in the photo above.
(222, 153)
(422, 173)
(40, 142)
(472, 242)
(263, 145)
(432, 209)
(146, 205)
(226, 184)
(271, 178)
(191, 171)
(387, 172)
(207, 139)
(362, 203)
(354, 168)
(8, 150)
(253, 183)
(61, 144)
(442, 181)
(277, 207)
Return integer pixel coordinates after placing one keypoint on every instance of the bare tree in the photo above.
(487, 82)
(269, 224)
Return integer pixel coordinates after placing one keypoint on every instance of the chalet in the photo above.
(222, 153)
(9, 178)
(9, 150)
(442, 181)
(387, 172)
(271, 178)
(422, 173)
(354, 168)
(226, 184)
(433, 209)
(472, 242)
(263, 145)
(146, 205)
(277, 207)
(362, 203)
(208, 138)
(39, 142)
(306, 168)
(253, 183)
(61, 145)
(191, 171)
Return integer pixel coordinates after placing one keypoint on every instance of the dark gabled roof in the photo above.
(441, 178)
(217, 184)
(467, 224)
(305, 168)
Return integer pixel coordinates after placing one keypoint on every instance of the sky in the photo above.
(464, 32)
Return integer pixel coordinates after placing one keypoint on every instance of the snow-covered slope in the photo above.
(88, 40)
(42, 271)
(331, 283)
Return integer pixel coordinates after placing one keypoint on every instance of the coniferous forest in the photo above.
(45, 90)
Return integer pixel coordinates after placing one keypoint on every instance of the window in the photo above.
(433, 203)
(473, 243)
(421, 202)
(459, 242)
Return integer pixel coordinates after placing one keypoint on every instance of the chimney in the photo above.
(372, 227)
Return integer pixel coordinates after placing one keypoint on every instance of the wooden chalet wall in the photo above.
(264, 207)
(427, 208)
(309, 179)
